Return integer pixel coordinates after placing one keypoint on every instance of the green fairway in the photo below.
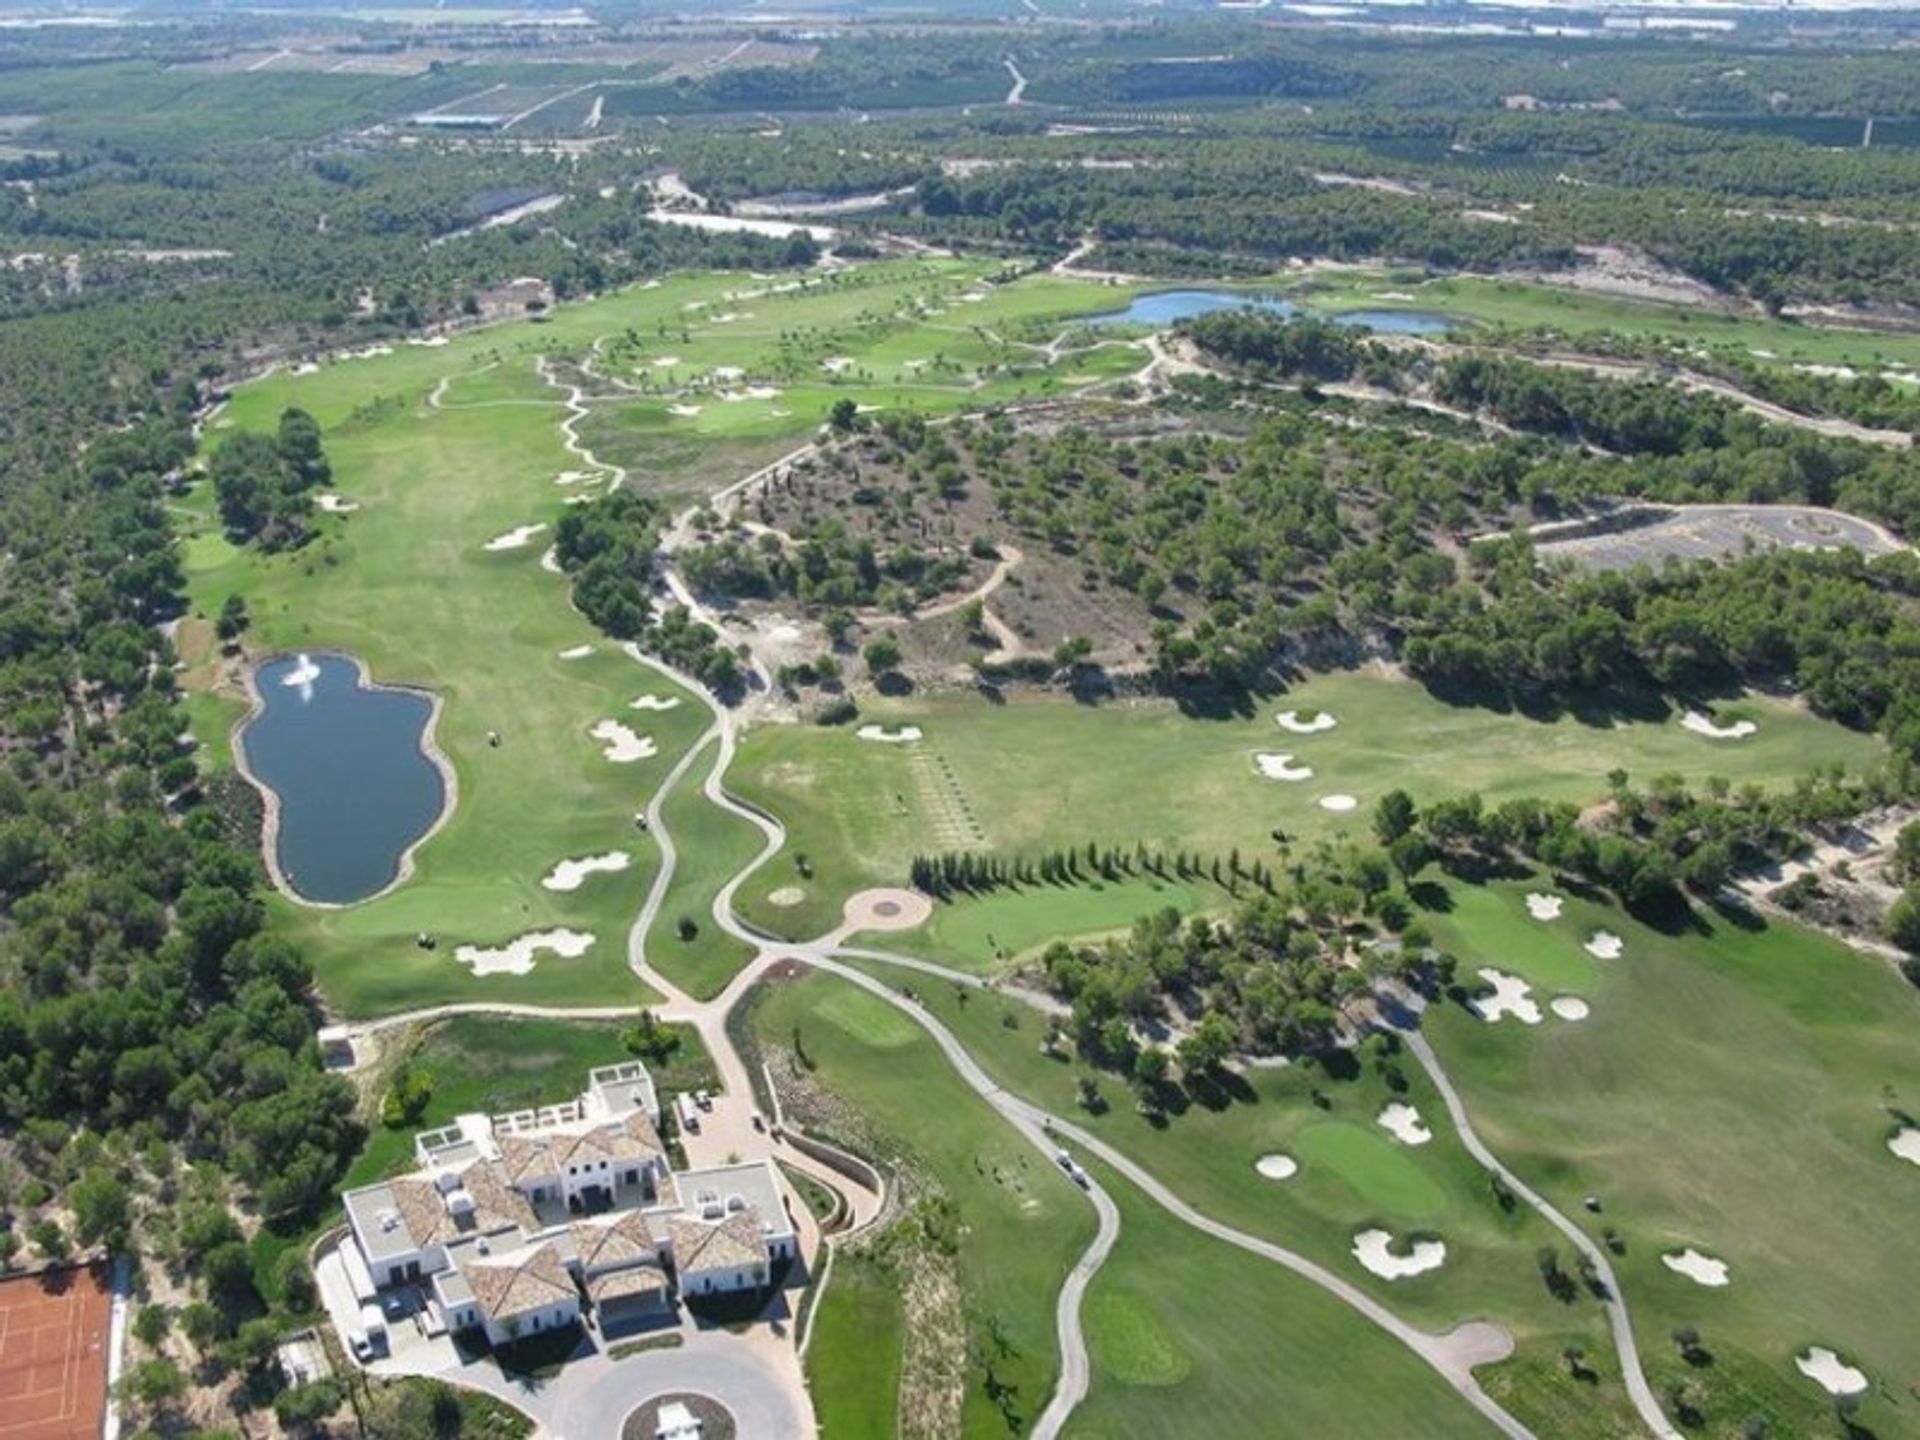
(710, 845)
(1352, 1177)
(1020, 1224)
(493, 1065)
(1042, 771)
(1001, 928)
(447, 447)
(1733, 1090)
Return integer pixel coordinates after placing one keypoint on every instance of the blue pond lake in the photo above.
(355, 789)
(1169, 307)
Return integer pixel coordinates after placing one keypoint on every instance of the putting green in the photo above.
(1381, 1176)
(1128, 1341)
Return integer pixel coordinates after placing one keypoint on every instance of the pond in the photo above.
(350, 788)
(1169, 307)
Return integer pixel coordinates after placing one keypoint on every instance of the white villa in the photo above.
(519, 1224)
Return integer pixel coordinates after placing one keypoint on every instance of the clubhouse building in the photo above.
(515, 1225)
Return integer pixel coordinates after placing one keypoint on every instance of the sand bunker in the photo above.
(1701, 1269)
(1374, 1249)
(335, 504)
(665, 362)
(1277, 1167)
(1340, 804)
(1511, 996)
(1403, 1122)
(685, 412)
(654, 702)
(576, 652)
(1569, 1007)
(623, 747)
(728, 372)
(1829, 1372)
(574, 477)
(1705, 725)
(516, 537)
(837, 365)
(787, 896)
(905, 735)
(1281, 767)
(1605, 945)
(1906, 1144)
(1544, 907)
(550, 561)
(1291, 720)
(571, 874)
(516, 957)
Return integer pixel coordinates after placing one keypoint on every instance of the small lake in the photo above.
(1170, 307)
(355, 789)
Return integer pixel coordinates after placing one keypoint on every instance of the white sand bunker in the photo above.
(516, 537)
(665, 362)
(1569, 1007)
(516, 957)
(904, 735)
(1339, 804)
(1705, 725)
(1701, 1269)
(623, 747)
(1309, 725)
(1544, 907)
(1605, 945)
(1830, 1373)
(654, 702)
(335, 504)
(550, 561)
(1375, 1250)
(1511, 996)
(576, 652)
(685, 412)
(837, 364)
(1281, 767)
(1277, 1167)
(1906, 1144)
(574, 477)
(572, 874)
(787, 896)
(728, 372)
(1403, 1122)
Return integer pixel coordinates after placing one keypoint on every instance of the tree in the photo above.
(101, 1210)
(1206, 1047)
(233, 620)
(48, 1238)
(882, 655)
(1903, 920)
(1394, 816)
(844, 416)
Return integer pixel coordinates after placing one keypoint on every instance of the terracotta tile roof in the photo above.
(634, 1281)
(627, 1240)
(496, 1204)
(523, 1157)
(424, 1212)
(738, 1240)
(505, 1290)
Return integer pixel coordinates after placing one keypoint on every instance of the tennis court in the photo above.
(53, 1354)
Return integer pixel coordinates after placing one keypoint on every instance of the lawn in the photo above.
(1043, 771)
(1733, 1090)
(710, 844)
(1352, 1177)
(407, 584)
(494, 1064)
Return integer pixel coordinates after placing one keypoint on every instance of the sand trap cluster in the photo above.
(903, 735)
(1906, 1144)
(576, 652)
(1280, 767)
(1403, 1122)
(1569, 1007)
(1339, 804)
(517, 957)
(1277, 1167)
(335, 504)
(1544, 907)
(516, 537)
(1701, 1269)
(1830, 1372)
(572, 874)
(623, 746)
(1604, 945)
(1511, 996)
(1702, 724)
(1374, 1249)
(654, 702)
(1290, 720)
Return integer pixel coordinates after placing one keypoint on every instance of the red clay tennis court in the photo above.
(53, 1354)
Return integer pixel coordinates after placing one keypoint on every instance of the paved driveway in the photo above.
(591, 1399)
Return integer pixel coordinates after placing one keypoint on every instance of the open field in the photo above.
(494, 1064)
(1016, 1224)
(407, 584)
(1044, 771)
(1733, 1090)
(1352, 1177)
